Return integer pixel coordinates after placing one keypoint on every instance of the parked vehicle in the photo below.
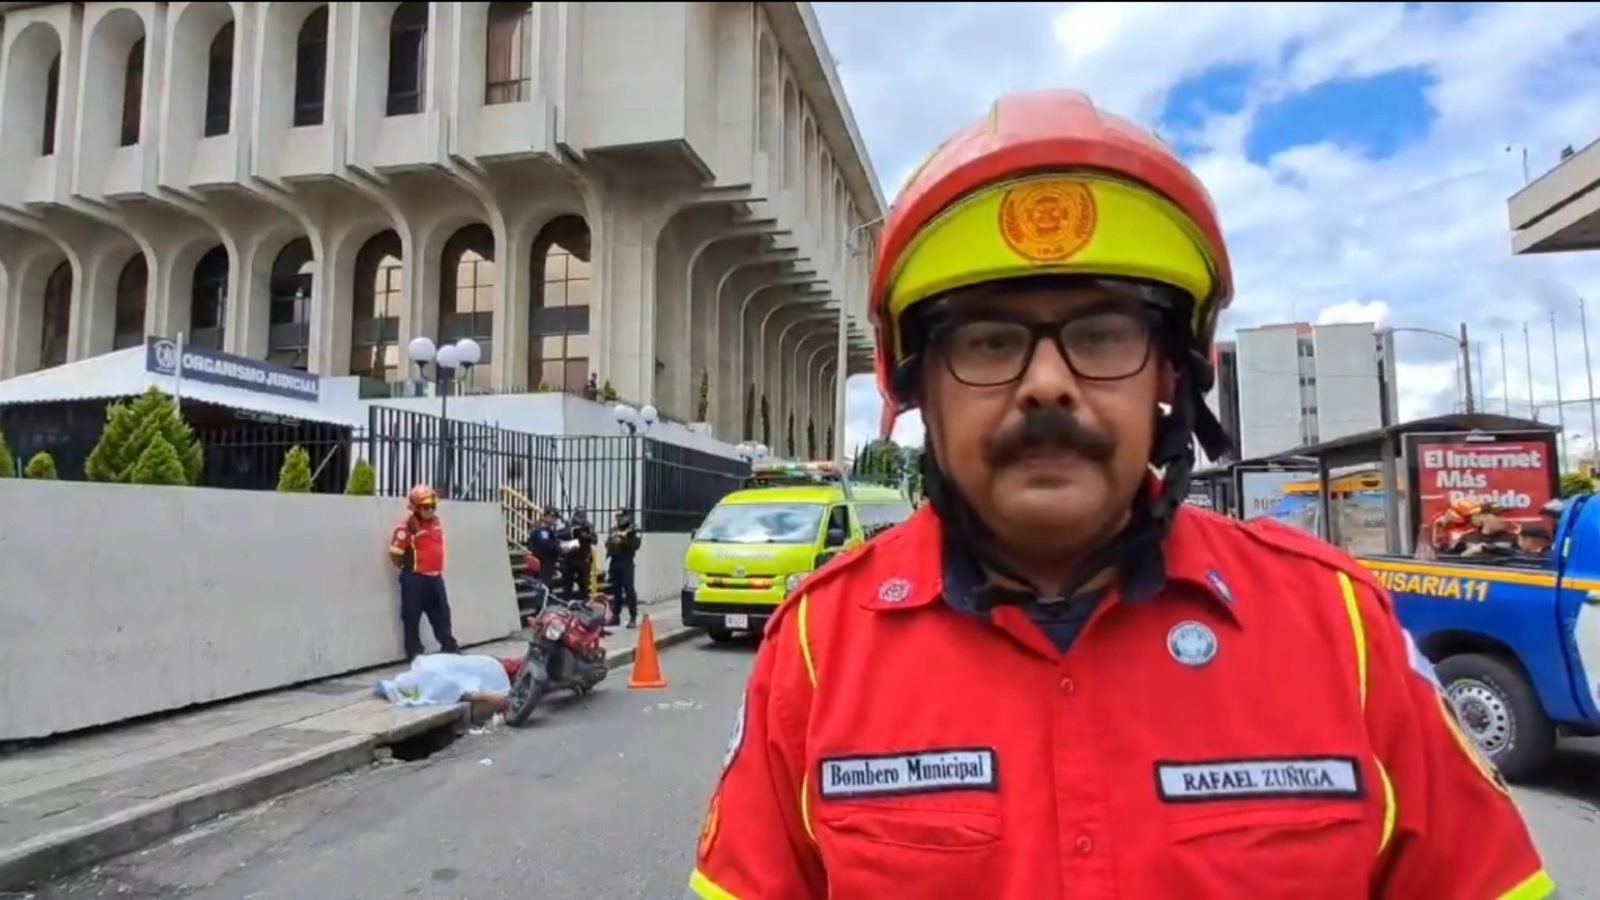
(1515, 638)
(565, 652)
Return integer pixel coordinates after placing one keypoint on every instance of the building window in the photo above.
(375, 317)
(56, 317)
(467, 294)
(561, 321)
(506, 58)
(289, 305)
(52, 98)
(311, 69)
(219, 83)
(132, 292)
(208, 300)
(132, 95)
(408, 59)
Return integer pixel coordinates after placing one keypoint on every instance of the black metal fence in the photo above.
(672, 487)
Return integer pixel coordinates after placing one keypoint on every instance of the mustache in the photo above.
(1048, 428)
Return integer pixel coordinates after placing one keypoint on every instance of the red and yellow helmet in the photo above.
(1045, 184)
(422, 496)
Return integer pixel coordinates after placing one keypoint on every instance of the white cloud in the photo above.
(1320, 231)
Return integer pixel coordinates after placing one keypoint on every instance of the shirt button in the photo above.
(1067, 686)
(1085, 845)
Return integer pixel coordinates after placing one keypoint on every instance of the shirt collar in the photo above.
(922, 577)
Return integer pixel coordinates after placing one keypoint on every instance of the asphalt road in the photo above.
(601, 798)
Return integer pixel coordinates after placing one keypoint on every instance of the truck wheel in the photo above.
(719, 635)
(1499, 710)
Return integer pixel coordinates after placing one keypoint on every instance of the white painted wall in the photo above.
(129, 600)
(1269, 394)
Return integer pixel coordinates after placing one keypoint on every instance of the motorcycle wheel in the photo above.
(526, 692)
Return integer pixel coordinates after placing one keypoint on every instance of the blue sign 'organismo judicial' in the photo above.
(215, 367)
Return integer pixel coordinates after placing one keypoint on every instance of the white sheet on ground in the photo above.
(440, 679)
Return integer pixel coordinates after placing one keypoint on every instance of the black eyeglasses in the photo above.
(991, 351)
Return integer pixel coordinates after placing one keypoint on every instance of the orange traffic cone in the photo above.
(646, 667)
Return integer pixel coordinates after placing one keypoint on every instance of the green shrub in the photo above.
(131, 426)
(363, 481)
(42, 467)
(1574, 483)
(295, 476)
(702, 408)
(8, 466)
(158, 464)
(608, 393)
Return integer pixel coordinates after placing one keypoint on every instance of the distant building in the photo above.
(1284, 386)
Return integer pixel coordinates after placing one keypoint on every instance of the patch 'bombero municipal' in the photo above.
(924, 772)
(1258, 779)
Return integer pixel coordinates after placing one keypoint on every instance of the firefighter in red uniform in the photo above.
(1056, 680)
(417, 550)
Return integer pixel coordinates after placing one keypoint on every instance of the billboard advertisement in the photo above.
(1262, 493)
(1516, 473)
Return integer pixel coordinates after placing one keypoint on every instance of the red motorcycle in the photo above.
(564, 653)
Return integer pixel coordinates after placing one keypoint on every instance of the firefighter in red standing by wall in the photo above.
(417, 550)
(1057, 680)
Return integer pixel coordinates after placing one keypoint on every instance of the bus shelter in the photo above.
(1394, 450)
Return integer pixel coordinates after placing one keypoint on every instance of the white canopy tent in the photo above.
(122, 373)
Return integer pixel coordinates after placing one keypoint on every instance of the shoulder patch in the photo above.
(400, 533)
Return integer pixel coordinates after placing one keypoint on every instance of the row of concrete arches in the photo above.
(507, 63)
(559, 301)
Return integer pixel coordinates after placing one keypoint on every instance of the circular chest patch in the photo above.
(1048, 222)
(894, 590)
(1192, 643)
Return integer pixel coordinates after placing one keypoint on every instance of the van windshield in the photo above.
(762, 523)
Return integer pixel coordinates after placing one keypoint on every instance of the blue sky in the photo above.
(1357, 153)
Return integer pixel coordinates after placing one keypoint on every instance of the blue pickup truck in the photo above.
(1515, 640)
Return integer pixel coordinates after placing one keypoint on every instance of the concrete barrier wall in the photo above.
(121, 600)
(659, 566)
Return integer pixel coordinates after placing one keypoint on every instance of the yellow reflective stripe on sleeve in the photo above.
(1360, 630)
(1388, 807)
(706, 889)
(1535, 887)
(805, 638)
(805, 804)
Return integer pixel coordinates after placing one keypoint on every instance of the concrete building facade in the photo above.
(1303, 384)
(1559, 212)
(651, 193)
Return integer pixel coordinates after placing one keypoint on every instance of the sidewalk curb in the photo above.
(57, 853)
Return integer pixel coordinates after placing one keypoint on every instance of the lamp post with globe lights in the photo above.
(751, 452)
(463, 354)
(635, 422)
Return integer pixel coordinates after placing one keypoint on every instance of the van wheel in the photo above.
(1498, 709)
(719, 635)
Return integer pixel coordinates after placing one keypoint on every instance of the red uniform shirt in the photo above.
(420, 544)
(1260, 728)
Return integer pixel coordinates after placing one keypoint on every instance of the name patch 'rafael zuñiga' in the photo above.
(1259, 778)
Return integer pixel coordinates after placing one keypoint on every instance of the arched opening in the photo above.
(506, 57)
(289, 305)
(809, 161)
(791, 134)
(132, 95)
(466, 295)
(208, 299)
(52, 101)
(770, 108)
(133, 289)
(55, 317)
(560, 327)
(219, 83)
(311, 69)
(379, 297)
(408, 60)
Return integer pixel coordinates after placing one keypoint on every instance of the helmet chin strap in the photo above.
(1138, 546)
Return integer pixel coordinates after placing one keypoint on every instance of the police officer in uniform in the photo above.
(580, 560)
(417, 550)
(622, 546)
(1056, 679)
